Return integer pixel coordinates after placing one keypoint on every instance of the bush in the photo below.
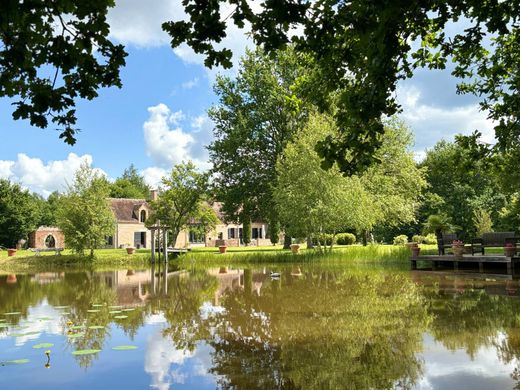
(345, 239)
(417, 238)
(400, 240)
(325, 239)
(430, 239)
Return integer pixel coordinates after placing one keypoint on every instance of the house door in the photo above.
(140, 239)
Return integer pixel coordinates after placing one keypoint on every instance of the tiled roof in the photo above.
(125, 210)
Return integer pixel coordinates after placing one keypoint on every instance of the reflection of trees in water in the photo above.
(321, 330)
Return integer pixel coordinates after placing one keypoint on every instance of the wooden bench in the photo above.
(445, 242)
(38, 251)
(493, 239)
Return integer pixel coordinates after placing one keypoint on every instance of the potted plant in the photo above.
(458, 248)
(414, 248)
(130, 250)
(11, 252)
(222, 248)
(295, 248)
(11, 279)
(509, 249)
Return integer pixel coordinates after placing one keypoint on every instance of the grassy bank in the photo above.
(26, 261)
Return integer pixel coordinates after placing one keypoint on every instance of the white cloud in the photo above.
(40, 177)
(168, 144)
(153, 176)
(431, 122)
(139, 22)
(190, 83)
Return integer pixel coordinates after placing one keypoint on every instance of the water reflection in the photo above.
(313, 327)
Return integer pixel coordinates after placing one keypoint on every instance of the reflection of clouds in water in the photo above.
(207, 310)
(33, 324)
(168, 365)
(446, 369)
(154, 319)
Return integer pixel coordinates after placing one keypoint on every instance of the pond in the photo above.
(311, 326)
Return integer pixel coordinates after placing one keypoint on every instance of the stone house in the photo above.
(130, 229)
(46, 237)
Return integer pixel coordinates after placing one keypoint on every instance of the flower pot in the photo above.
(509, 251)
(458, 251)
(11, 252)
(130, 250)
(415, 251)
(222, 248)
(295, 248)
(11, 279)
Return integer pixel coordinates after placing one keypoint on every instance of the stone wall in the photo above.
(230, 242)
(125, 234)
(38, 237)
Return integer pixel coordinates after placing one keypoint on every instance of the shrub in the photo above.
(400, 240)
(418, 239)
(345, 239)
(324, 238)
(430, 239)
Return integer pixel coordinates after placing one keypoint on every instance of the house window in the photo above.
(143, 216)
(256, 233)
(221, 236)
(231, 233)
(110, 240)
(196, 238)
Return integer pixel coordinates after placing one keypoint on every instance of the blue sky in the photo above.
(159, 116)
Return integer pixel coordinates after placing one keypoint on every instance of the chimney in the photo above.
(154, 194)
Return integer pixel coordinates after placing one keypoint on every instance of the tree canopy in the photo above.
(54, 53)
(363, 49)
(130, 185)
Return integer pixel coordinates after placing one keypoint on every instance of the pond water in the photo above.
(313, 327)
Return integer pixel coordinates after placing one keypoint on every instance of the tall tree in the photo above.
(53, 53)
(130, 185)
(84, 213)
(180, 202)
(19, 213)
(364, 48)
(254, 120)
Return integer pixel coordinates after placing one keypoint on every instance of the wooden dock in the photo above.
(480, 262)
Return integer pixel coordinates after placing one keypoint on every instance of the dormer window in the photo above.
(142, 216)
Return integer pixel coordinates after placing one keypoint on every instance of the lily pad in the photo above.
(124, 347)
(61, 307)
(96, 327)
(24, 334)
(86, 351)
(45, 318)
(13, 313)
(2, 320)
(2, 325)
(97, 305)
(43, 345)
(14, 362)
(120, 317)
(93, 311)
(17, 334)
(75, 335)
(115, 307)
(115, 311)
(65, 313)
(130, 309)
(77, 327)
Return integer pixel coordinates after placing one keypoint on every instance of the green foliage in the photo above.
(483, 222)
(400, 240)
(130, 185)
(204, 220)
(246, 230)
(48, 210)
(19, 213)
(274, 232)
(418, 239)
(430, 239)
(254, 120)
(181, 198)
(438, 224)
(84, 213)
(372, 46)
(65, 55)
(345, 239)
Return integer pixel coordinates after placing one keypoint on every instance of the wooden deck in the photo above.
(480, 262)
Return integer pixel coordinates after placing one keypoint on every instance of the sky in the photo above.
(159, 117)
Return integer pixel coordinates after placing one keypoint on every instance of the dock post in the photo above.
(480, 266)
(510, 267)
(434, 265)
(153, 246)
(456, 265)
(414, 264)
(166, 245)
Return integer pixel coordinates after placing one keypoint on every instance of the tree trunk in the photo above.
(364, 234)
(310, 244)
(287, 241)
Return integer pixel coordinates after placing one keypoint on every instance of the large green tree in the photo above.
(19, 213)
(130, 185)
(54, 53)
(84, 213)
(363, 48)
(254, 119)
(180, 201)
(312, 201)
